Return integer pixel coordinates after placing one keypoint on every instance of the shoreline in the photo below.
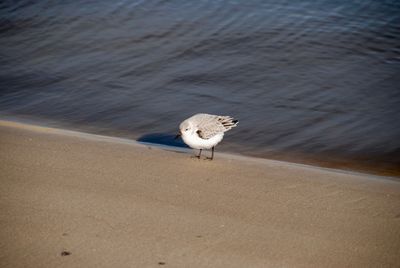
(346, 165)
(71, 199)
(112, 139)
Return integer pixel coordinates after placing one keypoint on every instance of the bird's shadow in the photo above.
(163, 139)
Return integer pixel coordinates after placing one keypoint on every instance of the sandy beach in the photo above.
(69, 199)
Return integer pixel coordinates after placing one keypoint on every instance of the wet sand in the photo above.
(69, 199)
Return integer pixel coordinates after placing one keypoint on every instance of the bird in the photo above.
(205, 131)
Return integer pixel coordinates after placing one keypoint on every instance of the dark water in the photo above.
(308, 80)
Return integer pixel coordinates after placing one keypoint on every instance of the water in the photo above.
(309, 80)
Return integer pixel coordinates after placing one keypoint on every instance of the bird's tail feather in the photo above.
(228, 122)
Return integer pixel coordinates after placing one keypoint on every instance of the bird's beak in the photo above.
(178, 135)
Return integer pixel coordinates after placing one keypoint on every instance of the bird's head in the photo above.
(186, 128)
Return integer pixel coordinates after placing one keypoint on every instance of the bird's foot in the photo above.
(195, 156)
(209, 158)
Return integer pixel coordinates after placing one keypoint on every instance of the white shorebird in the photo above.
(205, 131)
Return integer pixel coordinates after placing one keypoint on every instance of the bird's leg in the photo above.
(197, 156)
(212, 154)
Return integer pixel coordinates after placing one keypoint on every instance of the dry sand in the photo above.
(69, 199)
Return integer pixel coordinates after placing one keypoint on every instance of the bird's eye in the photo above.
(186, 129)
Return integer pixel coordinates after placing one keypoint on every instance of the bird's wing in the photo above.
(210, 125)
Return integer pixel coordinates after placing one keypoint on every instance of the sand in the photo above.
(69, 199)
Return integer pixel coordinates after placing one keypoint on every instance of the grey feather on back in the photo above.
(210, 125)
